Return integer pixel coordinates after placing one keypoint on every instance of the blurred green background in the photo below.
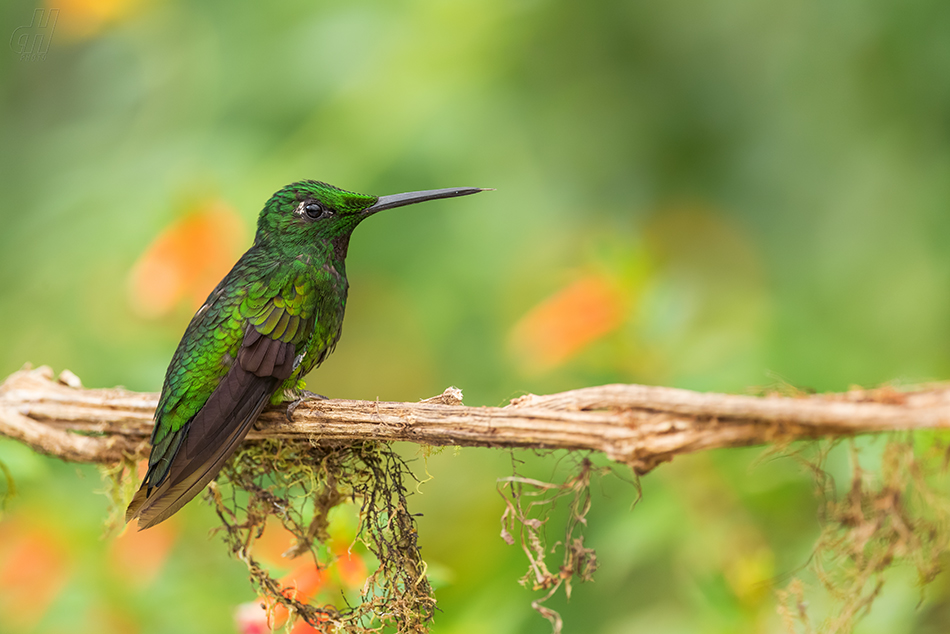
(703, 194)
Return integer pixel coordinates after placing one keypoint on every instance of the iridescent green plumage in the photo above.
(271, 320)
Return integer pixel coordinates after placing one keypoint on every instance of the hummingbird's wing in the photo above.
(192, 455)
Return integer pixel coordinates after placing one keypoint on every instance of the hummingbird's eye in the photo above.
(316, 211)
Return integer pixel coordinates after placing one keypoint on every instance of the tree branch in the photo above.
(635, 424)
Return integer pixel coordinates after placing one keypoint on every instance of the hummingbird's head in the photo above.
(310, 213)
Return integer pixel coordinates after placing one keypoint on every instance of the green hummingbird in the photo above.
(277, 315)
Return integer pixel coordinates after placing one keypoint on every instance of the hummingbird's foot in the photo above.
(304, 395)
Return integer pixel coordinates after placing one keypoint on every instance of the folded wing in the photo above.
(199, 449)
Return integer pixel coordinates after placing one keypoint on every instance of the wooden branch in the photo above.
(638, 425)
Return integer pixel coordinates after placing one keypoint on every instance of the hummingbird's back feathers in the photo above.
(271, 320)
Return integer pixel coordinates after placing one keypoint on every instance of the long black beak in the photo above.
(398, 200)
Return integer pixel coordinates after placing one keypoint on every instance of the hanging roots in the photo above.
(298, 484)
(898, 516)
(529, 505)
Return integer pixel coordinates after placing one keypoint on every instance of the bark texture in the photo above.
(639, 425)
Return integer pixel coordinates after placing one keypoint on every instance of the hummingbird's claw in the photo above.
(304, 395)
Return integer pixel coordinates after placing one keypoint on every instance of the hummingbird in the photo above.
(276, 316)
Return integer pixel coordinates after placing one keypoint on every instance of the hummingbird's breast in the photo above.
(322, 289)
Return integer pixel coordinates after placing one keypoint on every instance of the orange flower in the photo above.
(186, 260)
(303, 583)
(302, 627)
(350, 567)
(273, 543)
(81, 19)
(562, 325)
(33, 571)
(138, 556)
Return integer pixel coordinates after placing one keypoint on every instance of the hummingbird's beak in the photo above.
(398, 200)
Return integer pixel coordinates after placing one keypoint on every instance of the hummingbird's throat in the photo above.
(340, 245)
